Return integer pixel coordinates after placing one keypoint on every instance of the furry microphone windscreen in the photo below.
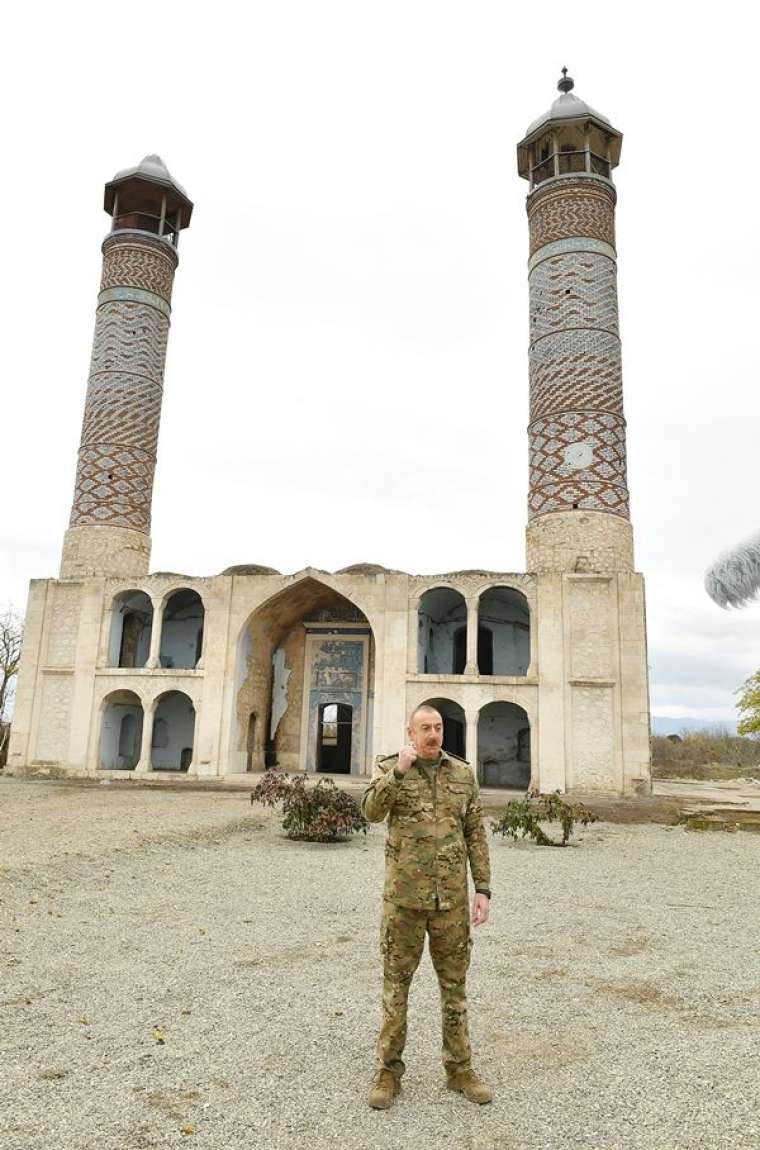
(734, 578)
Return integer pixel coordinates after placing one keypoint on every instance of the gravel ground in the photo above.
(614, 995)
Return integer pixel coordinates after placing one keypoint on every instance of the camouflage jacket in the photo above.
(435, 824)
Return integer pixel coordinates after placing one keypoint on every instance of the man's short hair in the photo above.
(424, 707)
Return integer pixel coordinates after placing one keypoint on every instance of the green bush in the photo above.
(523, 817)
(705, 755)
(319, 814)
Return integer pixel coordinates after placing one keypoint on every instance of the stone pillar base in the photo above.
(94, 551)
(587, 542)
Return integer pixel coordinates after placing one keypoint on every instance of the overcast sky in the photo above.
(347, 377)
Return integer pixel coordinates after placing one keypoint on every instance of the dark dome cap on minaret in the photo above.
(145, 186)
(568, 108)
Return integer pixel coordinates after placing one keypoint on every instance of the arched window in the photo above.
(131, 625)
(182, 630)
(121, 727)
(504, 746)
(177, 714)
(504, 613)
(442, 632)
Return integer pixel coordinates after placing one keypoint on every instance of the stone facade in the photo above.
(584, 674)
(580, 542)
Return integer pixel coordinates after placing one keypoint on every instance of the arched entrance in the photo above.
(173, 733)
(305, 667)
(131, 626)
(504, 746)
(334, 732)
(182, 630)
(503, 632)
(454, 725)
(441, 632)
(120, 732)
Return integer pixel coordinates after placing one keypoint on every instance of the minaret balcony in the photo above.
(565, 163)
(165, 229)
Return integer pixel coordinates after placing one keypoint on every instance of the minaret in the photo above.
(109, 529)
(578, 513)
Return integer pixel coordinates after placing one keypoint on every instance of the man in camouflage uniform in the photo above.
(435, 824)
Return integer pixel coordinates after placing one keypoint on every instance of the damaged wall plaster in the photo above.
(281, 675)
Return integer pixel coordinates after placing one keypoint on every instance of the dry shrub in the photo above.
(318, 813)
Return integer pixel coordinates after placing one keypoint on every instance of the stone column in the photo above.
(193, 768)
(471, 739)
(155, 634)
(471, 667)
(200, 665)
(144, 764)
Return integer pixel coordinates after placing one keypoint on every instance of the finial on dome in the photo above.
(567, 83)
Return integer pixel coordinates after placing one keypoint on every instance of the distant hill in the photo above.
(665, 726)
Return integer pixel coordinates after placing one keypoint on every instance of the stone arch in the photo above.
(306, 646)
(504, 613)
(182, 627)
(172, 749)
(121, 724)
(454, 725)
(130, 630)
(504, 755)
(441, 623)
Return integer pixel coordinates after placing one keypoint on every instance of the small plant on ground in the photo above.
(319, 813)
(523, 817)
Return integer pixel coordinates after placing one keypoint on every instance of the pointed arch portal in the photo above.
(306, 668)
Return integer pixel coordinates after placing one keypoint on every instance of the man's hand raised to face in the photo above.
(407, 757)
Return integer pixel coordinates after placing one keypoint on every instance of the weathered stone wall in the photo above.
(588, 541)
(288, 737)
(90, 552)
(63, 632)
(54, 718)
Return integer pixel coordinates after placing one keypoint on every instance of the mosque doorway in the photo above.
(334, 735)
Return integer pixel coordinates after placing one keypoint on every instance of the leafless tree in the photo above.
(11, 634)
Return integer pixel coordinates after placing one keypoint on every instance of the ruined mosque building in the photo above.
(541, 676)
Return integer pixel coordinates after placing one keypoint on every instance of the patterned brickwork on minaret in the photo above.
(109, 529)
(578, 505)
(577, 429)
(117, 453)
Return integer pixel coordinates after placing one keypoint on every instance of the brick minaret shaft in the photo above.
(578, 508)
(109, 529)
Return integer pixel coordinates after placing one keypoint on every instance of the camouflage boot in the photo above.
(473, 1087)
(384, 1088)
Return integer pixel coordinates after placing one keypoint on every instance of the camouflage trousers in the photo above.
(402, 940)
